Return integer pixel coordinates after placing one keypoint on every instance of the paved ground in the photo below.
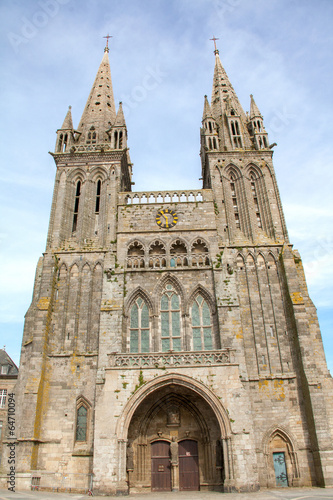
(277, 494)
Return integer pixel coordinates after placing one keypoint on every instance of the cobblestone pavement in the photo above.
(277, 494)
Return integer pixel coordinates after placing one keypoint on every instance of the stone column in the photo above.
(122, 487)
(174, 465)
(229, 482)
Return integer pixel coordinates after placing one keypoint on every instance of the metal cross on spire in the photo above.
(107, 42)
(216, 49)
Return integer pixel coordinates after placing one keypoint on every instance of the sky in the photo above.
(162, 62)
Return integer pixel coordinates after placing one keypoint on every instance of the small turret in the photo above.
(209, 129)
(256, 127)
(118, 131)
(65, 134)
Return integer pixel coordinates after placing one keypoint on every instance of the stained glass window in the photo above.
(81, 424)
(201, 325)
(170, 320)
(139, 327)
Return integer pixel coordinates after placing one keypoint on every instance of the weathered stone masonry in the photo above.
(171, 331)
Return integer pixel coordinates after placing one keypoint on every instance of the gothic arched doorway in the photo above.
(174, 438)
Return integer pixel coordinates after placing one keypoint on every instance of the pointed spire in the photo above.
(100, 110)
(227, 110)
(254, 110)
(222, 89)
(120, 118)
(68, 122)
(207, 112)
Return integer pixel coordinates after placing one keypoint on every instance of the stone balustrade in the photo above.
(171, 359)
(145, 197)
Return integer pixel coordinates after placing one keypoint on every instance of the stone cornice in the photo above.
(77, 158)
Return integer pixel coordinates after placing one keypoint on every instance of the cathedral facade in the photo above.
(171, 343)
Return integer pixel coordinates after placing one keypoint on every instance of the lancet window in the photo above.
(81, 423)
(76, 206)
(91, 136)
(201, 324)
(255, 199)
(170, 320)
(98, 197)
(139, 326)
(62, 143)
(236, 136)
(234, 199)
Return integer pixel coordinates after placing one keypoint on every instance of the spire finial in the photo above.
(216, 49)
(107, 42)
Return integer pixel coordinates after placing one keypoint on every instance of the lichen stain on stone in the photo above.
(43, 303)
(273, 389)
(297, 298)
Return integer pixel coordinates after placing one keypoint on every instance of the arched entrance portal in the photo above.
(175, 441)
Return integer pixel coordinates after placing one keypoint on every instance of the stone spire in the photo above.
(120, 118)
(68, 122)
(118, 131)
(100, 112)
(223, 93)
(65, 134)
(207, 112)
(254, 110)
(227, 110)
(256, 127)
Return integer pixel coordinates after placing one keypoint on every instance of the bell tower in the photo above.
(249, 205)
(63, 322)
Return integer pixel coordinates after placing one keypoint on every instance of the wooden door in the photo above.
(188, 465)
(160, 466)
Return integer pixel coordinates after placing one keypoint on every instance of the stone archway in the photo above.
(281, 458)
(169, 410)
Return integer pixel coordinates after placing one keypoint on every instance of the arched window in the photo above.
(235, 132)
(76, 205)
(201, 324)
(139, 326)
(115, 139)
(255, 199)
(234, 200)
(64, 146)
(157, 254)
(178, 254)
(120, 139)
(98, 197)
(135, 255)
(81, 424)
(170, 320)
(91, 136)
(237, 128)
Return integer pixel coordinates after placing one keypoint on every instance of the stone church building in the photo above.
(171, 342)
